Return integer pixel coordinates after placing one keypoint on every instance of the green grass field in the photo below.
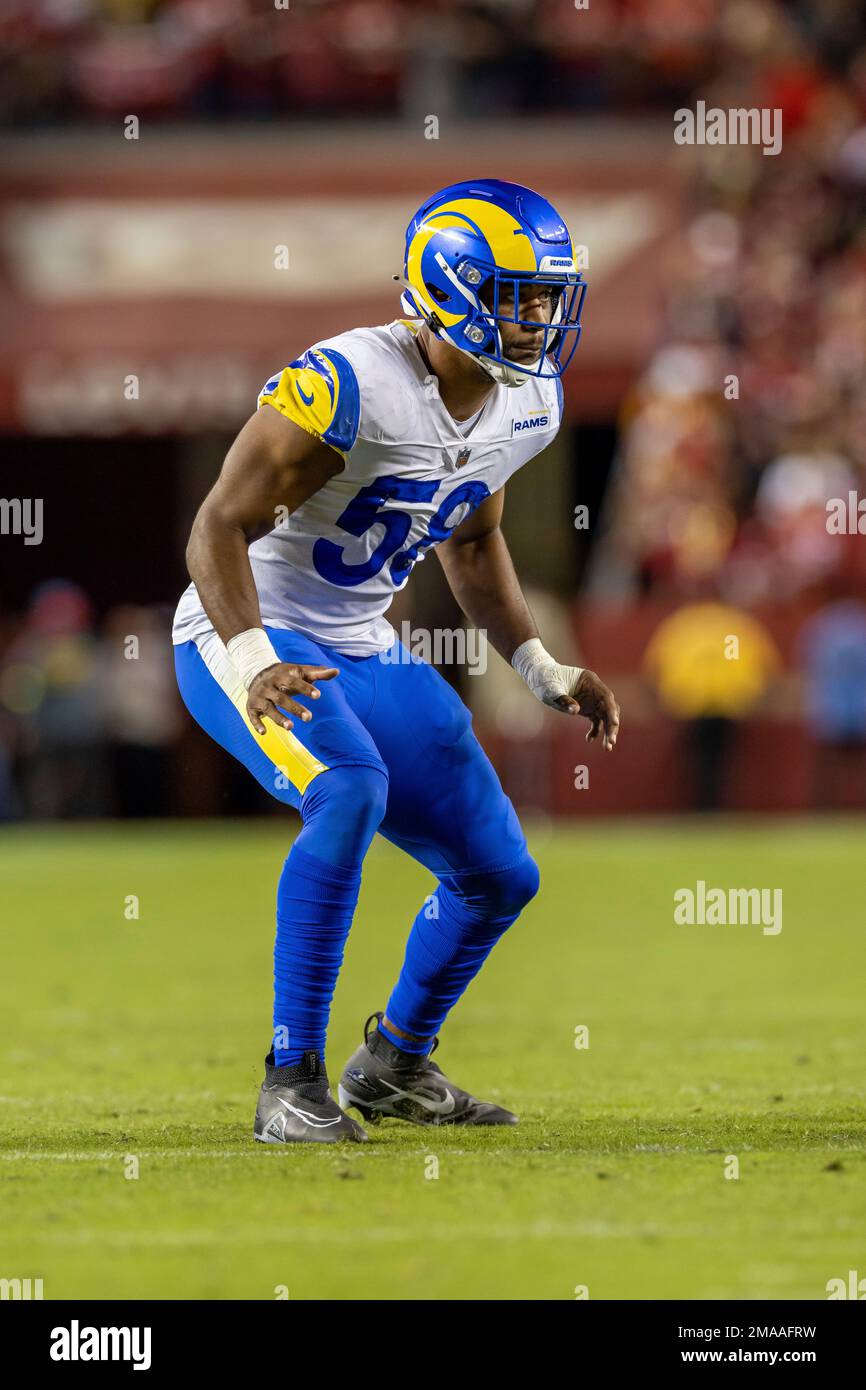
(145, 1038)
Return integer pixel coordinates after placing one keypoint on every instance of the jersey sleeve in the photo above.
(320, 393)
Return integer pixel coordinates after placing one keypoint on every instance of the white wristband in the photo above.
(548, 679)
(251, 652)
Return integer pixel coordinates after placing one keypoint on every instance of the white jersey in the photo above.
(331, 568)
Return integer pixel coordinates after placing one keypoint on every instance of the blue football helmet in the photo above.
(469, 250)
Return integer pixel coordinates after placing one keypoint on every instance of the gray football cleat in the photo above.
(296, 1107)
(382, 1080)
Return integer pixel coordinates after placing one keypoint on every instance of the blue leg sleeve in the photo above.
(316, 899)
(450, 940)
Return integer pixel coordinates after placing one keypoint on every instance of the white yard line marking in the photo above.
(255, 1151)
(106, 1155)
(540, 1230)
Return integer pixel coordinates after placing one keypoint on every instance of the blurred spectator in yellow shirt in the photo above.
(710, 665)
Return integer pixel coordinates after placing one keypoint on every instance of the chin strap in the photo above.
(501, 373)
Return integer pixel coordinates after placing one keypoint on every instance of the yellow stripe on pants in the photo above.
(287, 753)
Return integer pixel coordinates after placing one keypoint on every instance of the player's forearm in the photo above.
(219, 566)
(483, 580)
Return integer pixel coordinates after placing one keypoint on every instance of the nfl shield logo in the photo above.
(463, 457)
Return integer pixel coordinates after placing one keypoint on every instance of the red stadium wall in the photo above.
(167, 268)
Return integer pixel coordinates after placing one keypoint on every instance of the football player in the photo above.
(374, 447)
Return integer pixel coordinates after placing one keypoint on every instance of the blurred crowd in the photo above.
(88, 714)
(248, 58)
(751, 413)
(92, 726)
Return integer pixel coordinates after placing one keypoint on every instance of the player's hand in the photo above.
(271, 691)
(595, 702)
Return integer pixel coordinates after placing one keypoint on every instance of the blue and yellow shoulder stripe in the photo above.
(319, 392)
